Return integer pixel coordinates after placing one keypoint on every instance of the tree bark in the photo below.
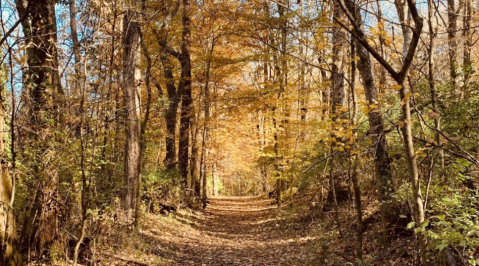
(171, 115)
(143, 125)
(467, 60)
(195, 180)
(9, 253)
(131, 94)
(41, 81)
(204, 154)
(452, 43)
(338, 91)
(185, 89)
(354, 175)
(409, 49)
(337, 76)
(389, 211)
(78, 77)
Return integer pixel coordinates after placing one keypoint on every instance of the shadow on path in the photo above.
(233, 231)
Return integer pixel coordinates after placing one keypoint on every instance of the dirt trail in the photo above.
(236, 231)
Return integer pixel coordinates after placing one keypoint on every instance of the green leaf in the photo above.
(441, 246)
(425, 223)
(410, 225)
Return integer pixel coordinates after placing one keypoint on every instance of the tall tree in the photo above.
(452, 42)
(468, 42)
(389, 212)
(131, 92)
(409, 47)
(185, 89)
(42, 83)
(174, 93)
(9, 253)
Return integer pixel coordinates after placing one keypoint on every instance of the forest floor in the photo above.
(243, 231)
(230, 231)
(252, 231)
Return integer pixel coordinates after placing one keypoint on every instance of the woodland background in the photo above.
(112, 107)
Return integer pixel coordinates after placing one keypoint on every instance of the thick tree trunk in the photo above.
(131, 94)
(185, 89)
(41, 81)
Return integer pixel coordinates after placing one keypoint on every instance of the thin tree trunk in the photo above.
(215, 178)
(354, 176)
(409, 49)
(452, 43)
(85, 188)
(131, 94)
(9, 253)
(171, 115)
(382, 75)
(78, 79)
(185, 89)
(144, 123)
(389, 212)
(431, 78)
(467, 60)
(339, 42)
(204, 176)
(207, 107)
(338, 90)
(195, 180)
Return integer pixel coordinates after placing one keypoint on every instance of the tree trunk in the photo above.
(9, 254)
(337, 76)
(131, 94)
(338, 91)
(409, 49)
(204, 150)
(185, 89)
(389, 211)
(78, 77)
(215, 179)
(195, 180)
(171, 115)
(406, 130)
(204, 176)
(467, 60)
(45, 96)
(143, 130)
(452, 43)
(354, 176)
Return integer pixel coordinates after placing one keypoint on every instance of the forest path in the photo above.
(238, 231)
